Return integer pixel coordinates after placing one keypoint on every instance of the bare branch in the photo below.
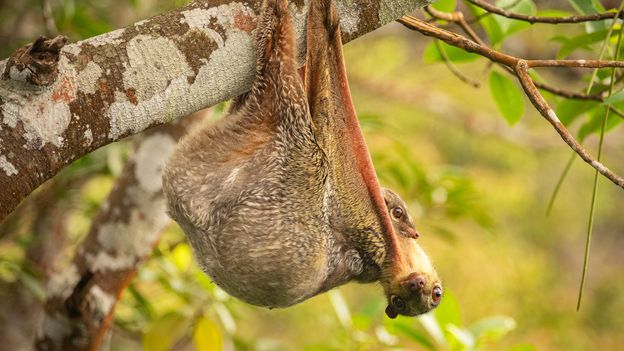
(574, 63)
(542, 106)
(458, 18)
(538, 19)
(569, 94)
(520, 67)
(453, 68)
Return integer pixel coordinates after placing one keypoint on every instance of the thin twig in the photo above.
(569, 94)
(455, 17)
(546, 19)
(453, 68)
(562, 177)
(590, 225)
(521, 68)
(485, 14)
(574, 63)
(588, 90)
(458, 18)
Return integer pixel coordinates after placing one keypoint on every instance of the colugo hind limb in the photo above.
(279, 199)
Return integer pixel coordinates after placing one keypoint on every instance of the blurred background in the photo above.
(477, 184)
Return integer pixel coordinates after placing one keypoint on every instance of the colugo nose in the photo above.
(415, 282)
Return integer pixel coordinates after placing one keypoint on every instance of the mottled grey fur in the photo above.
(269, 211)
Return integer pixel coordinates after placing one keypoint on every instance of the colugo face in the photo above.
(414, 286)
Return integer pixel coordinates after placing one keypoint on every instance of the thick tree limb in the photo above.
(81, 299)
(128, 80)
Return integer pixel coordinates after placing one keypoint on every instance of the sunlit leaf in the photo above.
(463, 336)
(341, 308)
(615, 98)
(432, 326)
(508, 98)
(492, 328)
(207, 336)
(510, 26)
(569, 109)
(594, 124)
(445, 5)
(583, 41)
(165, 331)
(143, 305)
(587, 7)
(182, 256)
(225, 316)
(406, 327)
(493, 29)
(448, 312)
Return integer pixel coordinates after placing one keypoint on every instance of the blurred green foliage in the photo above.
(477, 187)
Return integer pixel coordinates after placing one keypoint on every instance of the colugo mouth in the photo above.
(414, 288)
(414, 303)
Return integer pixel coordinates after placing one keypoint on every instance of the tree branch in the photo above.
(458, 18)
(520, 67)
(81, 299)
(545, 19)
(128, 80)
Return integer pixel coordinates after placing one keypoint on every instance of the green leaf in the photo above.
(615, 98)
(508, 98)
(182, 257)
(207, 336)
(492, 328)
(448, 312)
(143, 306)
(445, 5)
(510, 26)
(432, 326)
(406, 327)
(583, 41)
(585, 7)
(594, 124)
(570, 109)
(341, 308)
(432, 55)
(462, 336)
(164, 332)
(493, 29)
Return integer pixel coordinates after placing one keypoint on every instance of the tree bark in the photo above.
(58, 103)
(81, 299)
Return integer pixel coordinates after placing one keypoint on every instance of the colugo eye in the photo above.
(397, 212)
(398, 303)
(436, 294)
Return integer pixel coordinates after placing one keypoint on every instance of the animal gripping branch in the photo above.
(279, 199)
